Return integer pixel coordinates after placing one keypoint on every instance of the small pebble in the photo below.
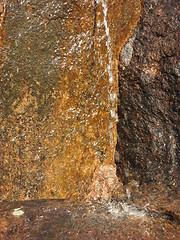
(18, 212)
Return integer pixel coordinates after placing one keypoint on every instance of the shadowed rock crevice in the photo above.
(148, 127)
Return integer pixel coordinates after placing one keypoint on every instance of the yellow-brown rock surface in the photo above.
(59, 94)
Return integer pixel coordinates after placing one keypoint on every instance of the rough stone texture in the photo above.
(2, 33)
(58, 93)
(59, 220)
(148, 128)
(105, 184)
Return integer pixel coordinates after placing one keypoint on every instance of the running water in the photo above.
(112, 94)
(122, 209)
(105, 182)
(108, 42)
(64, 103)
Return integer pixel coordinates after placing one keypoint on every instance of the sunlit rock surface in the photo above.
(148, 127)
(59, 93)
(105, 184)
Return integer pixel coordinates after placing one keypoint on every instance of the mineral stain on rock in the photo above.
(59, 94)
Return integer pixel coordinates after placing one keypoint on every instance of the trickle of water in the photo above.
(60, 70)
(112, 95)
(128, 194)
(132, 210)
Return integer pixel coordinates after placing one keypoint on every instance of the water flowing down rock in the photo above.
(59, 93)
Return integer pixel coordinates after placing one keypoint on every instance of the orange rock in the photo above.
(60, 88)
(105, 184)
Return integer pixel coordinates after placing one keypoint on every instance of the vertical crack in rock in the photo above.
(105, 183)
(95, 17)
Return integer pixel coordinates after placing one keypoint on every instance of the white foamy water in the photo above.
(112, 95)
(108, 42)
(123, 209)
(128, 194)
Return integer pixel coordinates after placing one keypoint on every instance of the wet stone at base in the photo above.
(58, 219)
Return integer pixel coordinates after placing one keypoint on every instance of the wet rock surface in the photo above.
(148, 128)
(58, 219)
(59, 93)
(51, 147)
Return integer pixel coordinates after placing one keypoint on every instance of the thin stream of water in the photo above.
(112, 94)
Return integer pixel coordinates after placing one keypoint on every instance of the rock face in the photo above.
(59, 93)
(149, 72)
(105, 184)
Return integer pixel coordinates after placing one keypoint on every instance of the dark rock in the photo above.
(172, 210)
(148, 106)
(56, 219)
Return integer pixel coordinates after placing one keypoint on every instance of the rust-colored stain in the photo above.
(59, 94)
(2, 32)
(2, 16)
